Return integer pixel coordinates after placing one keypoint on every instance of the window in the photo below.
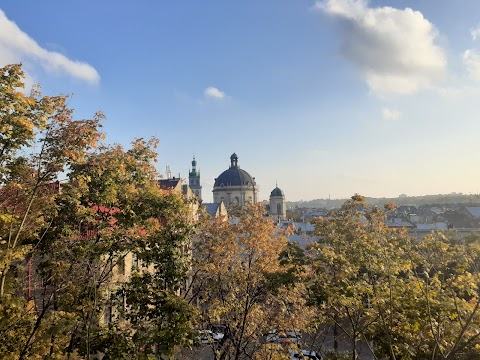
(107, 314)
(135, 262)
(121, 266)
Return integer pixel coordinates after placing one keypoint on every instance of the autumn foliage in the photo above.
(96, 260)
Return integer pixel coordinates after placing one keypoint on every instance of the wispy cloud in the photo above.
(394, 49)
(18, 46)
(471, 59)
(390, 114)
(475, 33)
(214, 93)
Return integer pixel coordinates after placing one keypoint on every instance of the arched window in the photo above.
(279, 209)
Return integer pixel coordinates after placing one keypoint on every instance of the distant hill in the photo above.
(455, 198)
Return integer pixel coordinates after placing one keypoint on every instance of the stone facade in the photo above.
(278, 206)
(235, 186)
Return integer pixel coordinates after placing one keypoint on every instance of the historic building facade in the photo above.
(278, 206)
(235, 186)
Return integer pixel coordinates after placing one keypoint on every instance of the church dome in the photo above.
(234, 176)
(277, 192)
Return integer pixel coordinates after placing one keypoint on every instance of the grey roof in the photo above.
(168, 184)
(433, 226)
(302, 240)
(211, 207)
(474, 210)
(277, 192)
(406, 209)
(317, 213)
(304, 226)
(396, 222)
(234, 177)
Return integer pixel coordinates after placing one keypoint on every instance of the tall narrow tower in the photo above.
(278, 206)
(194, 180)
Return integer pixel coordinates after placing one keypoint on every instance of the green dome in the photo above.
(277, 193)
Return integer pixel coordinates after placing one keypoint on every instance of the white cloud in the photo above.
(214, 93)
(475, 33)
(471, 59)
(390, 114)
(17, 46)
(394, 49)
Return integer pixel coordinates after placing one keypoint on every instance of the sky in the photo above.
(326, 98)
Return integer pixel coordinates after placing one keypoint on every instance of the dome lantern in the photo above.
(234, 160)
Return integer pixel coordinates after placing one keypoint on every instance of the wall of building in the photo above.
(229, 195)
(274, 203)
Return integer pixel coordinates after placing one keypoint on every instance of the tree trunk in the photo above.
(335, 337)
(354, 346)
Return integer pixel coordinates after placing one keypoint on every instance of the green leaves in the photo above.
(414, 299)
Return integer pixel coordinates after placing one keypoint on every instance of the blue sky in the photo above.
(326, 97)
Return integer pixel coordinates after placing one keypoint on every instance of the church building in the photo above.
(235, 186)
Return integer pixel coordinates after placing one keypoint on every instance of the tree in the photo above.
(114, 217)
(341, 286)
(78, 239)
(236, 265)
(162, 320)
(39, 139)
(402, 298)
(438, 304)
(25, 177)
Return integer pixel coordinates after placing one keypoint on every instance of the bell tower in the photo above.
(194, 180)
(278, 206)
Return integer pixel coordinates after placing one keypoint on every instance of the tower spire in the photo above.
(194, 180)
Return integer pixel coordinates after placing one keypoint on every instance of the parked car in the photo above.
(283, 337)
(271, 336)
(305, 355)
(220, 329)
(209, 336)
(205, 336)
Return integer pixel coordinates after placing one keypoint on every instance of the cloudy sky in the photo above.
(327, 97)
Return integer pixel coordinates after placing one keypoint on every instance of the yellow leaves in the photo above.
(6, 219)
(453, 316)
(21, 122)
(238, 261)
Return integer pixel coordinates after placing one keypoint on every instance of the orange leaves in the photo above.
(240, 277)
